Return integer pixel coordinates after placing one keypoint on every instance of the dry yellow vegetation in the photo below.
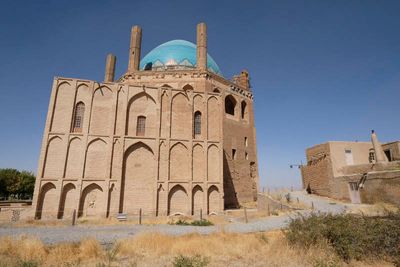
(153, 249)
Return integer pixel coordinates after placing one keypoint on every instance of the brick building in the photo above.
(170, 136)
(360, 172)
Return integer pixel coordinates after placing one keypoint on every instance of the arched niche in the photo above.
(179, 161)
(138, 179)
(92, 200)
(177, 200)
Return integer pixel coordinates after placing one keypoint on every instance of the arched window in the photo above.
(244, 110)
(230, 104)
(148, 66)
(141, 126)
(187, 87)
(371, 155)
(79, 113)
(216, 90)
(197, 123)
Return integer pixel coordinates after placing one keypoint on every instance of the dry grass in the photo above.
(377, 209)
(150, 220)
(153, 249)
(29, 251)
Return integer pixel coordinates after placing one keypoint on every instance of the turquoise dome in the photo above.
(176, 54)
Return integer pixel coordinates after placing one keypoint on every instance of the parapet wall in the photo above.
(363, 168)
(379, 186)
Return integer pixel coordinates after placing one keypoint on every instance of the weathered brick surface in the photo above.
(106, 168)
(109, 165)
(317, 174)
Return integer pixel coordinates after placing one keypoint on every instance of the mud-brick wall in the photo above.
(318, 174)
(382, 187)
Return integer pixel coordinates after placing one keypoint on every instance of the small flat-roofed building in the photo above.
(360, 172)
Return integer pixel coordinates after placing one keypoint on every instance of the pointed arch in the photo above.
(213, 197)
(179, 161)
(161, 201)
(187, 87)
(139, 95)
(91, 201)
(101, 111)
(165, 114)
(63, 105)
(75, 158)
(217, 90)
(181, 117)
(116, 159)
(138, 145)
(78, 117)
(96, 159)
(213, 116)
(120, 115)
(198, 108)
(81, 85)
(198, 102)
(230, 105)
(213, 170)
(197, 124)
(244, 110)
(47, 197)
(199, 165)
(163, 162)
(137, 185)
(177, 200)
(54, 160)
(67, 201)
(141, 105)
(197, 199)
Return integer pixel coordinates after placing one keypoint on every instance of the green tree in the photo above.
(16, 184)
(26, 185)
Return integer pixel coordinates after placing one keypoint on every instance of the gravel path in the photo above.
(320, 204)
(108, 234)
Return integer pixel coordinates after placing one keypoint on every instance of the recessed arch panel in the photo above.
(178, 200)
(138, 179)
(213, 200)
(47, 198)
(179, 161)
(199, 165)
(96, 159)
(63, 105)
(92, 201)
(54, 161)
(213, 116)
(68, 201)
(197, 200)
(141, 105)
(101, 111)
(76, 153)
(213, 170)
(181, 117)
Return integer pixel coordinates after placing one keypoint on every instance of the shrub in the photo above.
(202, 222)
(187, 261)
(182, 222)
(351, 236)
(28, 264)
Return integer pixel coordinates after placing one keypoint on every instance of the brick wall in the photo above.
(318, 173)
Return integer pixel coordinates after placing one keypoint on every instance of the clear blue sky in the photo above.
(320, 70)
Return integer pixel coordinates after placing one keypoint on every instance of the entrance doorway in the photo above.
(354, 193)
